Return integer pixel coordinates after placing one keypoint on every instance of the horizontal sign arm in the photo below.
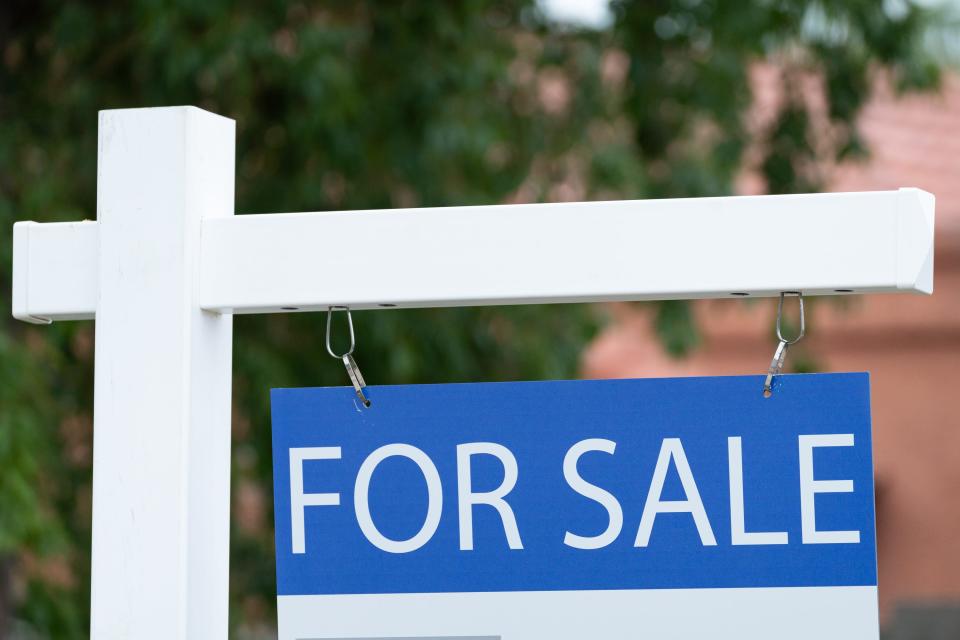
(55, 267)
(820, 244)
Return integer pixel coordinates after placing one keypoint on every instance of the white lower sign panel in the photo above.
(682, 508)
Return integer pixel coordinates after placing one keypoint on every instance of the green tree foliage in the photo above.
(373, 104)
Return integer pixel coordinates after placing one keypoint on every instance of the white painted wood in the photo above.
(161, 461)
(575, 252)
(55, 271)
(869, 242)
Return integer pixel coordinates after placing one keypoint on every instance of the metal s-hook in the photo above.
(780, 355)
(356, 378)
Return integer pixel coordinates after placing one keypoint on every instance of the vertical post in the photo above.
(161, 481)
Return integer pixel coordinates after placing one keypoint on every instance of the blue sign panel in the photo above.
(688, 483)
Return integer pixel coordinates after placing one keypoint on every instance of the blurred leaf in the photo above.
(676, 327)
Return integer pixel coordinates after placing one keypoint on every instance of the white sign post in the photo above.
(166, 263)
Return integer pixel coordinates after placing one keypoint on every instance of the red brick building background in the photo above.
(909, 344)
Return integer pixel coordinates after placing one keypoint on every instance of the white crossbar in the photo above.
(819, 244)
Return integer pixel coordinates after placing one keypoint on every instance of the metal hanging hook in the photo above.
(803, 326)
(356, 378)
(780, 355)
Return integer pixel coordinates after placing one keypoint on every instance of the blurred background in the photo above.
(373, 104)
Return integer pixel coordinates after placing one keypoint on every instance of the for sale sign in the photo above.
(676, 508)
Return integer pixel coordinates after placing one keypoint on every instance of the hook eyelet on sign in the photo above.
(780, 355)
(356, 378)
